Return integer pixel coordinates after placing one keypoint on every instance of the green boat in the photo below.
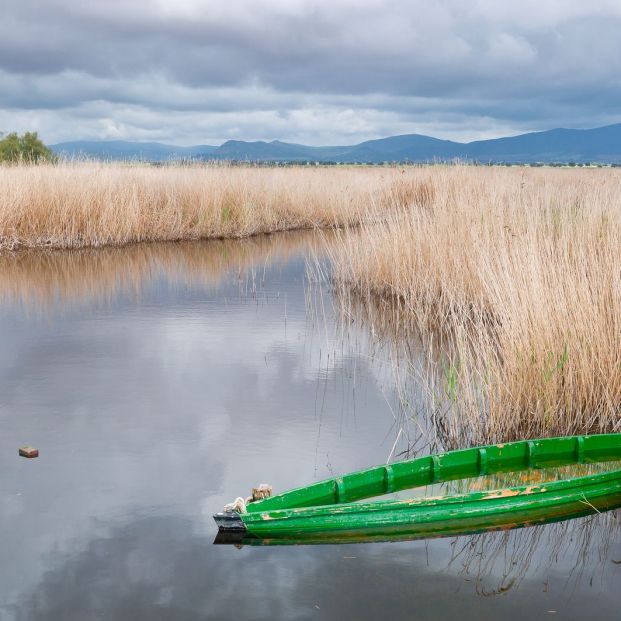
(331, 510)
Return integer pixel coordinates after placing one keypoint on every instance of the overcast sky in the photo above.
(311, 71)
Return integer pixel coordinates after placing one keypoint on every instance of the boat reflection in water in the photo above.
(406, 533)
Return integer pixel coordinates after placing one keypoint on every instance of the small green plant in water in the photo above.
(450, 377)
(552, 367)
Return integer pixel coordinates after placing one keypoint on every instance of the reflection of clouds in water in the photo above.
(178, 402)
(161, 568)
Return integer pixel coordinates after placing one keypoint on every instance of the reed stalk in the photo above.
(509, 281)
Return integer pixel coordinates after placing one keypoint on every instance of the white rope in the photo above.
(238, 505)
(258, 493)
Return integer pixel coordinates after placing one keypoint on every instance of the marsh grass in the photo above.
(81, 204)
(509, 283)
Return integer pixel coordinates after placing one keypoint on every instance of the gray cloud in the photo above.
(190, 72)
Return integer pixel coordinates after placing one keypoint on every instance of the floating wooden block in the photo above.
(29, 451)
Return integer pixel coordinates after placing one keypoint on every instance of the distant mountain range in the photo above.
(602, 145)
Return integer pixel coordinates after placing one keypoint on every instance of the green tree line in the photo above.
(27, 148)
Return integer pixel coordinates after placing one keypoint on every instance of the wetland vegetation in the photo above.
(72, 205)
(506, 279)
(509, 280)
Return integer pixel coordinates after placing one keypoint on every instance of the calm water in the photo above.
(160, 382)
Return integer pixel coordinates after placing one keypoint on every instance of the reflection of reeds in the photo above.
(87, 204)
(40, 279)
(510, 280)
(498, 562)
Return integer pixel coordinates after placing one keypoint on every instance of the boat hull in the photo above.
(332, 510)
(501, 509)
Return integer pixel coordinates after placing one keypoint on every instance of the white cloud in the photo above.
(319, 72)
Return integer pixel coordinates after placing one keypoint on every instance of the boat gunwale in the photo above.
(434, 460)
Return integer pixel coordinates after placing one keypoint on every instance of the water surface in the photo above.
(161, 381)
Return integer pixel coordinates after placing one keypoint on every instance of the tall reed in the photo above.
(510, 279)
(81, 204)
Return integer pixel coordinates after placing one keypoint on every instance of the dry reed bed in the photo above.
(514, 275)
(88, 204)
